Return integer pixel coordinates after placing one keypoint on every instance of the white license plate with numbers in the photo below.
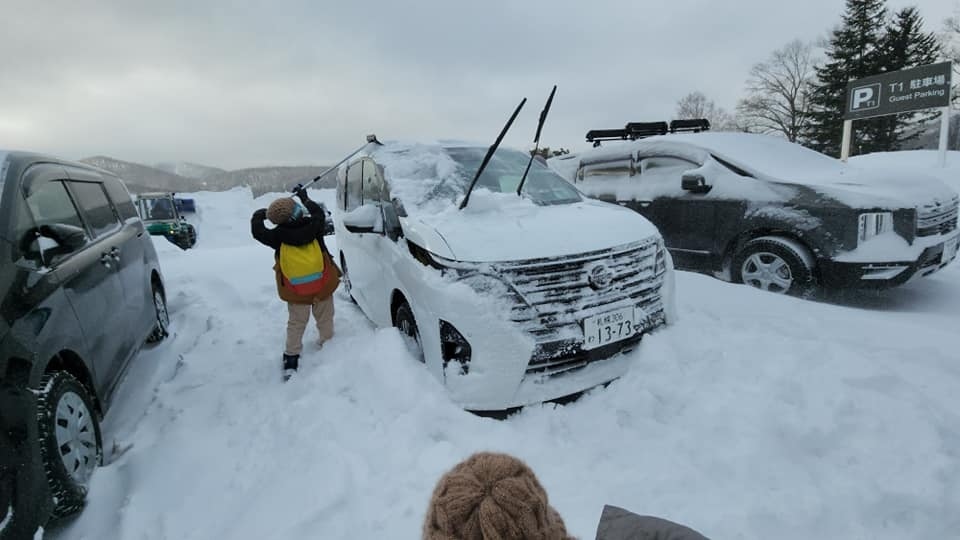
(613, 326)
(950, 249)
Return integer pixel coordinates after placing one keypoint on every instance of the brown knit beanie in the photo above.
(491, 497)
(280, 210)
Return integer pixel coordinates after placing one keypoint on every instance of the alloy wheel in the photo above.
(767, 271)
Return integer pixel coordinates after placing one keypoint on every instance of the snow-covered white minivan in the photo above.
(513, 299)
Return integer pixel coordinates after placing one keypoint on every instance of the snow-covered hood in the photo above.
(859, 188)
(497, 228)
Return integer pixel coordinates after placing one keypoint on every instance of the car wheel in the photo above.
(774, 264)
(162, 325)
(404, 321)
(345, 277)
(70, 442)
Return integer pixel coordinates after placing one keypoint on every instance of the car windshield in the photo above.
(3, 170)
(504, 171)
(157, 209)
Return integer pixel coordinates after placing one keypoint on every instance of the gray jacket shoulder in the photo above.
(619, 524)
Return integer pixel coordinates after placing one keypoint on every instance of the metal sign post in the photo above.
(845, 145)
(944, 132)
(924, 87)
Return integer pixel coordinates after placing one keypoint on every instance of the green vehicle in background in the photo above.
(162, 218)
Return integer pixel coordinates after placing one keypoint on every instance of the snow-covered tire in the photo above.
(161, 328)
(775, 264)
(405, 322)
(70, 442)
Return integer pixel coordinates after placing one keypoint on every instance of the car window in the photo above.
(354, 191)
(54, 212)
(665, 165)
(372, 183)
(121, 198)
(605, 179)
(95, 206)
(51, 204)
(606, 169)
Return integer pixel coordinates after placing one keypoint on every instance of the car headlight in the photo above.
(661, 264)
(486, 285)
(874, 224)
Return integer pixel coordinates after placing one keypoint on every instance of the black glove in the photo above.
(301, 193)
(260, 214)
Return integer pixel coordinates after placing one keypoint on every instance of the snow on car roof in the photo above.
(763, 155)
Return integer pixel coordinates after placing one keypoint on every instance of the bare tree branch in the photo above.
(778, 92)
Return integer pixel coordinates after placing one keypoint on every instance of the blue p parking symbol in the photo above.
(863, 98)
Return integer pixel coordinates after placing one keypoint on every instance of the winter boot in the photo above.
(290, 364)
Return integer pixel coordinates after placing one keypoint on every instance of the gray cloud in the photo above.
(301, 82)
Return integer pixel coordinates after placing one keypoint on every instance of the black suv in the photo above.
(80, 293)
(763, 211)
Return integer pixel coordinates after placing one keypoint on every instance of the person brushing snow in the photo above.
(306, 275)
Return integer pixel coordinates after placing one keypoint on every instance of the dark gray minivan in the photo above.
(80, 293)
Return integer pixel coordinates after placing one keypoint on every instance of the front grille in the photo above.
(554, 295)
(937, 218)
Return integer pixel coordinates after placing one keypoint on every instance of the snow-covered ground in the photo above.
(755, 416)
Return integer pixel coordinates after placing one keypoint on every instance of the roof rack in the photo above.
(695, 125)
(641, 130)
(596, 135)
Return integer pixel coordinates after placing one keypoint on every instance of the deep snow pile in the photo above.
(756, 416)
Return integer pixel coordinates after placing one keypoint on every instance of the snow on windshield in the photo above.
(764, 154)
(432, 178)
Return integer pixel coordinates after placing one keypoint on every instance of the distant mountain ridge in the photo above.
(141, 178)
(189, 170)
(188, 177)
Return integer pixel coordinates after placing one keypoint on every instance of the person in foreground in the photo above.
(306, 275)
(492, 496)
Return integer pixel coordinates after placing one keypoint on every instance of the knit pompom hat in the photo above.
(492, 496)
(281, 210)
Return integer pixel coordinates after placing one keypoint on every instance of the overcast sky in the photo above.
(284, 82)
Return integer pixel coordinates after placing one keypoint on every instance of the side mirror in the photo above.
(695, 183)
(53, 240)
(366, 219)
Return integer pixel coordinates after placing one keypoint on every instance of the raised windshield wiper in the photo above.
(536, 139)
(490, 151)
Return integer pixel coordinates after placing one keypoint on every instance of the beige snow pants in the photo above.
(300, 316)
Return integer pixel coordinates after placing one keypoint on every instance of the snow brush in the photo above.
(371, 139)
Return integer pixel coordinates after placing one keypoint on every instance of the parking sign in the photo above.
(923, 87)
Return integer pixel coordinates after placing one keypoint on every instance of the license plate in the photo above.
(613, 326)
(950, 249)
